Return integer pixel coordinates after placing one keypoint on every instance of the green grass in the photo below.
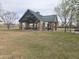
(41, 45)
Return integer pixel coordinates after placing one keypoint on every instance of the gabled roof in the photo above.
(24, 17)
(49, 18)
(37, 14)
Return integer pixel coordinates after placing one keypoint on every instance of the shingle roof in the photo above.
(36, 14)
(49, 18)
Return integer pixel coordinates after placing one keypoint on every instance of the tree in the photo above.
(74, 11)
(9, 18)
(77, 14)
(68, 12)
(63, 12)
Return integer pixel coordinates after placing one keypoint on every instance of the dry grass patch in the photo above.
(38, 45)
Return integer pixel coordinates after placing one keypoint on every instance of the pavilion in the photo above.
(35, 21)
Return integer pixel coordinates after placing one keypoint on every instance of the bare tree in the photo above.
(77, 13)
(68, 12)
(9, 18)
(63, 12)
(73, 12)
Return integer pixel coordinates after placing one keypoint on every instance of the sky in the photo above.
(45, 7)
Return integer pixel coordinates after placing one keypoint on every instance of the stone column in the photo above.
(55, 26)
(49, 25)
(36, 25)
(52, 26)
(40, 26)
(44, 26)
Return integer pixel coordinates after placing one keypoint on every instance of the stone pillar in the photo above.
(55, 26)
(36, 26)
(20, 25)
(40, 26)
(52, 26)
(49, 26)
(43, 25)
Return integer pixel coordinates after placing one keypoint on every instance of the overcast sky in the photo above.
(45, 7)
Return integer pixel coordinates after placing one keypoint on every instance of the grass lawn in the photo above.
(38, 45)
